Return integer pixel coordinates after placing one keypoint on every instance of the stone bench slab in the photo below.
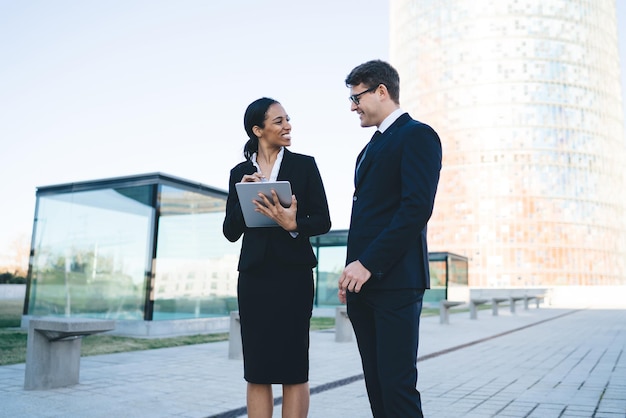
(53, 350)
(59, 328)
(444, 308)
(473, 307)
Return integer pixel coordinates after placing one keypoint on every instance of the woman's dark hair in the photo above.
(374, 73)
(255, 116)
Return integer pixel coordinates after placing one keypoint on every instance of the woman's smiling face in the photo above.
(277, 129)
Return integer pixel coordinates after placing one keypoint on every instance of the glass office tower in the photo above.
(526, 97)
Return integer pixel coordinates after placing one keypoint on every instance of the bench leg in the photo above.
(343, 326)
(526, 300)
(235, 348)
(473, 311)
(494, 308)
(512, 303)
(51, 364)
(443, 314)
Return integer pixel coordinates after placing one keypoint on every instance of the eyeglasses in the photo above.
(355, 97)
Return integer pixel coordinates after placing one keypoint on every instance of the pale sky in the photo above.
(91, 89)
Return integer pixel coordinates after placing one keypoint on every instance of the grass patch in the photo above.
(430, 311)
(13, 342)
(11, 313)
(435, 311)
(107, 344)
(322, 322)
(12, 347)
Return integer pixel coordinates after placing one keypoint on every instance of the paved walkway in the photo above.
(539, 363)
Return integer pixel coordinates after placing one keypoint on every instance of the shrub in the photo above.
(10, 278)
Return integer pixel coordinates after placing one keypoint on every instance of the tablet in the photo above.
(248, 191)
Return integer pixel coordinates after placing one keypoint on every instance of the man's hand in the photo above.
(352, 279)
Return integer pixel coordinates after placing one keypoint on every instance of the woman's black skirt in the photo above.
(275, 306)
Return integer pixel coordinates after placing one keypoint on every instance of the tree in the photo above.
(15, 258)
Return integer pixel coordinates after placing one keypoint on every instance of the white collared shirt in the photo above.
(275, 168)
(390, 119)
(274, 173)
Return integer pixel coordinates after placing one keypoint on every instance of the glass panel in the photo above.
(90, 253)
(458, 272)
(196, 267)
(434, 295)
(437, 289)
(437, 273)
(331, 263)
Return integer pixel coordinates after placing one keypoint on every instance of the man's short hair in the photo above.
(373, 73)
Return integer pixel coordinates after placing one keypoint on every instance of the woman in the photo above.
(275, 287)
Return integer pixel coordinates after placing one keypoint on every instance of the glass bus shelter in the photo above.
(146, 247)
(448, 271)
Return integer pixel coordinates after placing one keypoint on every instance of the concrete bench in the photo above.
(343, 326)
(444, 310)
(474, 303)
(513, 301)
(53, 350)
(494, 305)
(235, 347)
(537, 298)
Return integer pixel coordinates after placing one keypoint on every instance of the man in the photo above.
(386, 270)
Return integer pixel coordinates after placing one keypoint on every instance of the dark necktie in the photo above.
(364, 153)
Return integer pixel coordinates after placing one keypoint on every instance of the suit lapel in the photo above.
(285, 166)
(247, 168)
(357, 162)
(370, 155)
(375, 147)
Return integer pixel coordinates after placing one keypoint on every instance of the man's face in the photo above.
(368, 107)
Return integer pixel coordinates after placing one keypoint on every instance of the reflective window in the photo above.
(150, 251)
(90, 253)
(195, 267)
(331, 252)
(331, 263)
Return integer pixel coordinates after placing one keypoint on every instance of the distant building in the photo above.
(526, 97)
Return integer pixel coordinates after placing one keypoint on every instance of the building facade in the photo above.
(526, 97)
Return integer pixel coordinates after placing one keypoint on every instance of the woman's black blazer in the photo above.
(274, 244)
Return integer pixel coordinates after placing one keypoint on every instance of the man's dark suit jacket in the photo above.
(392, 203)
(274, 244)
